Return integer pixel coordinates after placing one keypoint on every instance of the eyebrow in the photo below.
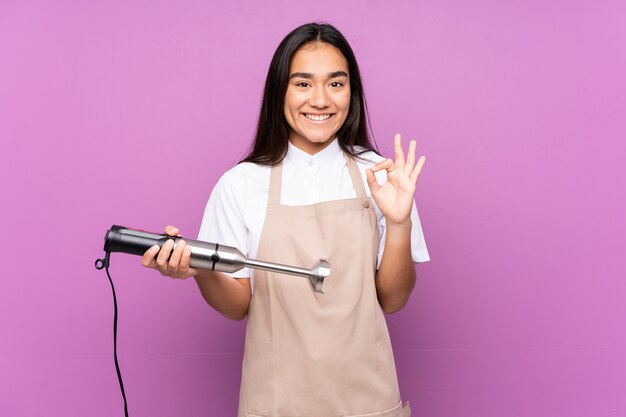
(308, 75)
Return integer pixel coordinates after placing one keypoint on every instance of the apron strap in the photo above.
(276, 176)
(357, 179)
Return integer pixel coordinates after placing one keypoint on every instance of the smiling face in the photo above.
(317, 100)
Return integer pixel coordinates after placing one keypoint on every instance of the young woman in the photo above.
(301, 195)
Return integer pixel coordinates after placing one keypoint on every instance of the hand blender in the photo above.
(205, 255)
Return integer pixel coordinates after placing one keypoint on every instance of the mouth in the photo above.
(318, 118)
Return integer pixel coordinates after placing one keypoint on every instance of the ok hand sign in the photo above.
(395, 196)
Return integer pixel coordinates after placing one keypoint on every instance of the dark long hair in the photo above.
(272, 134)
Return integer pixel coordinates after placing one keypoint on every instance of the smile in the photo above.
(318, 117)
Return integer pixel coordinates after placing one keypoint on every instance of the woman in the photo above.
(299, 196)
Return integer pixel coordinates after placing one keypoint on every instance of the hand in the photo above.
(178, 264)
(395, 197)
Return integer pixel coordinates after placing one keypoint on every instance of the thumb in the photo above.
(172, 230)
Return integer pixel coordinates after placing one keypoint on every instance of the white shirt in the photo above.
(235, 212)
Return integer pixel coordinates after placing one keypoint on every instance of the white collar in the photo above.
(326, 156)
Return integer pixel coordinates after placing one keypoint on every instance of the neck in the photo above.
(310, 147)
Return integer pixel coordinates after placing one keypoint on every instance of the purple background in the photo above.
(128, 113)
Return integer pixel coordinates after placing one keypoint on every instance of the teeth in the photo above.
(317, 117)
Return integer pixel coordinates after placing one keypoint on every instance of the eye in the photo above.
(302, 83)
(339, 84)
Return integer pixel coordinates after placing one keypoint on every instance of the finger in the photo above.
(410, 159)
(173, 266)
(184, 268)
(418, 168)
(387, 165)
(164, 255)
(397, 146)
(148, 257)
(371, 181)
(172, 230)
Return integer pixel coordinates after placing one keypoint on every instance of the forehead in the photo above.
(318, 57)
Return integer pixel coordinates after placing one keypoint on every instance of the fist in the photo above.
(172, 259)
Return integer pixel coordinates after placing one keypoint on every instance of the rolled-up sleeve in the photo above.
(223, 220)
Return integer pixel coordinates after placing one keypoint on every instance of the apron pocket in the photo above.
(397, 411)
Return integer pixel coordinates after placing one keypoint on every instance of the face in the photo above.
(318, 96)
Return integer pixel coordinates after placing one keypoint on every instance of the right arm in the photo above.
(229, 296)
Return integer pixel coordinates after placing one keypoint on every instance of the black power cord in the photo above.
(104, 263)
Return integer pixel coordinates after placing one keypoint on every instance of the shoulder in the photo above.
(367, 158)
(240, 186)
(243, 176)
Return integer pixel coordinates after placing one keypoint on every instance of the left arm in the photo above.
(395, 278)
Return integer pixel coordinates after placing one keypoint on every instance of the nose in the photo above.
(319, 97)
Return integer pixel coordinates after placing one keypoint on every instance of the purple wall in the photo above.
(128, 112)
